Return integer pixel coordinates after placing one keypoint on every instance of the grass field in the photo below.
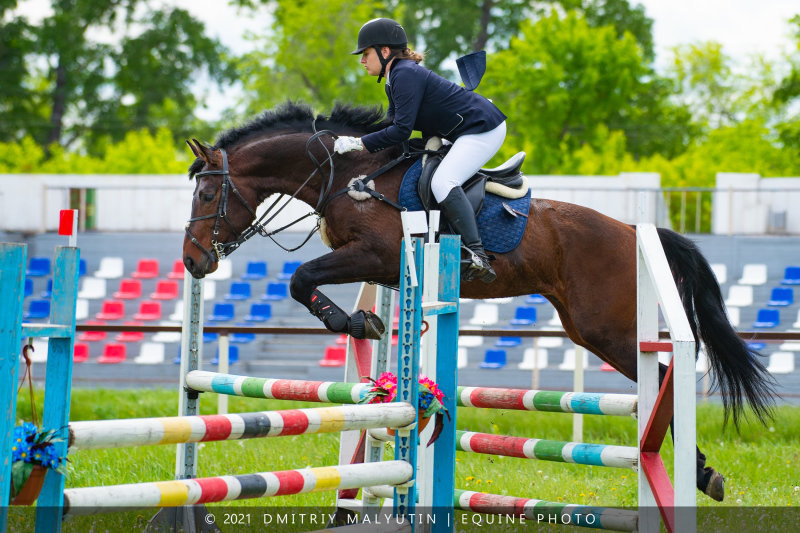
(761, 465)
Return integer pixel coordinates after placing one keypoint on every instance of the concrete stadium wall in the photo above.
(747, 204)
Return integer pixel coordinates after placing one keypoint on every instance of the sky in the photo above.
(743, 27)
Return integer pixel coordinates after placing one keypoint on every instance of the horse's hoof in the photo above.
(716, 486)
(366, 325)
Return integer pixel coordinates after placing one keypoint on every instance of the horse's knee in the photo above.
(301, 285)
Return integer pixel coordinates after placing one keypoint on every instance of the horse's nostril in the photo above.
(188, 263)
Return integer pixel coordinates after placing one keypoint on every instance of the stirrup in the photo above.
(478, 267)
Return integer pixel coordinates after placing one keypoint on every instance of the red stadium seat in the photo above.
(166, 289)
(146, 269)
(111, 310)
(92, 336)
(177, 270)
(80, 352)
(129, 289)
(130, 336)
(113, 353)
(148, 311)
(334, 356)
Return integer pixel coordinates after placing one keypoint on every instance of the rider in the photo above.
(421, 100)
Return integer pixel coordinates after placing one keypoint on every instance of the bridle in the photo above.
(258, 227)
(220, 250)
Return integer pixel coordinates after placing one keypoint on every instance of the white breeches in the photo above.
(468, 154)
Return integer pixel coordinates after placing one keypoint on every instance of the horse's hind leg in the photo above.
(709, 481)
(345, 265)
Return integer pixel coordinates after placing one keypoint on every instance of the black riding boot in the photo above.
(458, 211)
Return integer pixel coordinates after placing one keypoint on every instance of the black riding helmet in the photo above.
(381, 32)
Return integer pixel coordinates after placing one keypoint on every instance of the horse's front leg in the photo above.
(348, 264)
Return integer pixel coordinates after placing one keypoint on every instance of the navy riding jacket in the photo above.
(422, 100)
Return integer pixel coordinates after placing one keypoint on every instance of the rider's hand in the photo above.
(347, 144)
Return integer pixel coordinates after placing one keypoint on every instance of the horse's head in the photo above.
(221, 211)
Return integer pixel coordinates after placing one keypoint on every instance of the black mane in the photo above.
(299, 117)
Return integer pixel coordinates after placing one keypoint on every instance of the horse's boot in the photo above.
(458, 211)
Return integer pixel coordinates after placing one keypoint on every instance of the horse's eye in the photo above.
(207, 196)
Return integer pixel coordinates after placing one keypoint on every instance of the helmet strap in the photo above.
(384, 61)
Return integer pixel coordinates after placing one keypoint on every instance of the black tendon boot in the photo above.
(458, 211)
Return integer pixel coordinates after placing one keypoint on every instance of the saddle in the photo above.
(505, 181)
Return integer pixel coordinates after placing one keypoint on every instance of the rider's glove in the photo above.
(347, 144)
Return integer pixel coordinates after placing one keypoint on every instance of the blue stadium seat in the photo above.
(209, 337)
(38, 267)
(757, 346)
(288, 269)
(259, 312)
(508, 342)
(239, 290)
(767, 318)
(535, 299)
(524, 316)
(791, 276)
(48, 292)
(82, 267)
(28, 287)
(255, 270)
(276, 290)
(242, 338)
(233, 355)
(37, 309)
(781, 297)
(222, 312)
(494, 359)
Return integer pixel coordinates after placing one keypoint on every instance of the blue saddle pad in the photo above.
(500, 231)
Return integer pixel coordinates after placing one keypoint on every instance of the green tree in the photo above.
(306, 56)
(89, 90)
(562, 81)
(622, 16)
(787, 96)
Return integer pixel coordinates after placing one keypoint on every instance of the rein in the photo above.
(258, 227)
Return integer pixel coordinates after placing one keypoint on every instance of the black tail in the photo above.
(737, 370)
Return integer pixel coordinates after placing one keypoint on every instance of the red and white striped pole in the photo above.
(68, 225)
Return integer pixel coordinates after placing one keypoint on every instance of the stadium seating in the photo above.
(39, 352)
(508, 342)
(93, 289)
(113, 353)
(167, 337)
(129, 289)
(177, 270)
(130, 336)
(753, 274)
(288, 269)
(720, 272)
(791, 276)
(48, 292)
(767, 318)
(150, 353)
(535, 299)
(494, 359)
(524, 316)
(80, 352)
(166, 289)
(38, 267)
(28, 287)
(334, 356)
(259, 312)
(739, 296)
(461, 358)
(781, 363)
(81, 268)
(275, 291)
(530, 361)
(233, 355)
(81, 309)
(111, 310)
(781, 297)
(239, 290)
(110, 268)
(146, 269)
(148, 310)
(470, 341)
(242, 338)
(485, 314)
(37, 309)
(255, 270)
(92, 336)
(209, 289)
(222, 312)
(569, 360)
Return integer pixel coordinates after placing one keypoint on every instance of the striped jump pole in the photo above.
(553, 401)
(349, 393)
(175, 430)
(548, 450)
(544, 512)
(277, 389)
(225, 488)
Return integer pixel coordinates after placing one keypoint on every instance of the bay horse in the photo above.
(582, 261)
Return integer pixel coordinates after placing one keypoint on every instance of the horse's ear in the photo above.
(203, 151)
(192, 148)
